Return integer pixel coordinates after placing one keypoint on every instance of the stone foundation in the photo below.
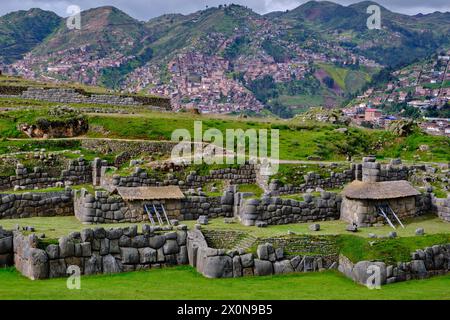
(274, 210)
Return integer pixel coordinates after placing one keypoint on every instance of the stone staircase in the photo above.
(245, 243)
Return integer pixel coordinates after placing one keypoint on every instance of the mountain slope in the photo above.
(21, 31)
(402, 39)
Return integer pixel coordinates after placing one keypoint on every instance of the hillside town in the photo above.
(421, 87)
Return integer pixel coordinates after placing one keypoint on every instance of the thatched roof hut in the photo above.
(150, 193)
(379, 190)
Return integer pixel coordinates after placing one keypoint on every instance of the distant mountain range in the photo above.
(229, 56)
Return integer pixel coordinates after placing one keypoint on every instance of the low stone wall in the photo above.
(219, 263)
(128, 150)
(425, 263)
(313, 181)
(194, 206)
(443, 208)
(369, 170)
(72, 96)
(101, 207)
(97, 251)
(6, 248)
(244, 175)
(78, 171)
(29, 204)
(274, 210)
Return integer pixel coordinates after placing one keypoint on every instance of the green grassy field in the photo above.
(55, 227)
(185, 283)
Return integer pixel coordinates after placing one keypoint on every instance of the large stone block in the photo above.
(283, 266)
(263, 267)
(171, 247)
(93, 265)
(66, 247)
(147, 255)
(57, 268)
(129, 255)
(110, 265)
(157, 242)
(218, 267)
(365, 269)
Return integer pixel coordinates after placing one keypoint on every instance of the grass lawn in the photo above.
(185, 283)
(55, 227)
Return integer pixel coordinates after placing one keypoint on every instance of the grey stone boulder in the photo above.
(237, 267)
(6, 245)
(52, 251)
(247, 260)
(93, 265)
(392, 235)
(279, 253)
(182, 256)
(38, 267)
(171, 247)
(87, 235)
(418, 267)
(66, 247)
(203, 220)
(218, 267)
(157, 242)
(129, 255)
(147, 255)
(420, 231)
(262, 252)
(283, 266)
(314, 227)
(86, 250)
(361, 271)
(295, 261)
(110, 264)
(263, 267)
(57, 268)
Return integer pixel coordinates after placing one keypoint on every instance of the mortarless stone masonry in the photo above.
(97, 251)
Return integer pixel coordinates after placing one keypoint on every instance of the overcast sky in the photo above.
(146, 9)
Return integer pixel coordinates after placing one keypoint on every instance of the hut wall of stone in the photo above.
(276, 211)
(364, 212)
(246, 174)
(103, 207)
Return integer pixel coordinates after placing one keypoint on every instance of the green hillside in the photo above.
(21, 31)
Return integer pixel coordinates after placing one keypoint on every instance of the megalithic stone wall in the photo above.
(275, 210)
(431, 261)
(78, 171)
(97, 251)
(220, 263)
(36, 204)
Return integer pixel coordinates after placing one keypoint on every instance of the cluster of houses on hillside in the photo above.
(79, 64)
(420, 86)
(366, 116)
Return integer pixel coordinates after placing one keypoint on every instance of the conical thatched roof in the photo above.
(379, 190)
(150, 193)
